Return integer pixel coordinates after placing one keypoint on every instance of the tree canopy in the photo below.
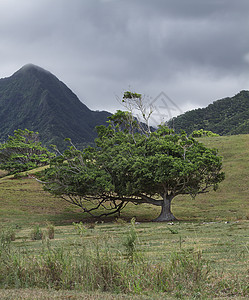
(129, 166)
(22, 152)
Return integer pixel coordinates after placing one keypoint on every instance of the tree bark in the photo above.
(166, 214)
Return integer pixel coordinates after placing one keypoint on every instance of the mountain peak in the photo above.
(30, 68)
(35, 99)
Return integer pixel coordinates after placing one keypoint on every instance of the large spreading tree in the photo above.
(130, 164)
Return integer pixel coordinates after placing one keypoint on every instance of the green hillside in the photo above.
(23, 200)
(35, 99)
(231, 200)
(226, 116)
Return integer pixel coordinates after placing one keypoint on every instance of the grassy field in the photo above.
(216, 254)
(214, 225)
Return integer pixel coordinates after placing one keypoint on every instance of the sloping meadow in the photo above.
(204, 254)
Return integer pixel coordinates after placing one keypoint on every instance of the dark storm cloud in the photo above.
(195, 51)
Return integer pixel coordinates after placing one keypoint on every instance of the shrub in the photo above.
(130, 243)
(50, 231)
(80, 228)
(36, 233)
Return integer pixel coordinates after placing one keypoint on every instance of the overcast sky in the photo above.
(194, 51)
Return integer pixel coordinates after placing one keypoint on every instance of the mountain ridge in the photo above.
(35, 99)
(225, 116)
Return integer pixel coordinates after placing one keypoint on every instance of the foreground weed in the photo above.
(36, 233)
(173, 231)
(8, 234)
(80, 228)
(50, 231)
(120, 221)
(130, 243)
(5, 239)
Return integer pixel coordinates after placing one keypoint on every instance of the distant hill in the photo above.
(35, 99)
(226, 116)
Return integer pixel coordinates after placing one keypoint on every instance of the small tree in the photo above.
(203, 133)
(22, 152)
(129, 166)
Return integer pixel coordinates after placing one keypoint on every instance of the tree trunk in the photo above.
(166, 214)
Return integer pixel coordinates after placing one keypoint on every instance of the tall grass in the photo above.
(130, 243)
(93, 267)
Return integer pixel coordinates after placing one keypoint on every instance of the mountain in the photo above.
(226, 116)
(35, 99)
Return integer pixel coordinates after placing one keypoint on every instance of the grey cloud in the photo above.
(99, 48)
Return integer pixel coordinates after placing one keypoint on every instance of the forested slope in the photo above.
(226, 116)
